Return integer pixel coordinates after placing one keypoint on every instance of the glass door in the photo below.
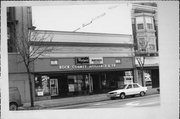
(54, 87)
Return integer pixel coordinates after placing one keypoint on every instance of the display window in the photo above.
(42, 86)
(147, 77)
(78, 83)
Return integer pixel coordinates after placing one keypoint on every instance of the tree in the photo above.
(141, 54)
(141, 62)
(29, 46)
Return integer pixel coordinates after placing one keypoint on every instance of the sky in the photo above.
(94, 18)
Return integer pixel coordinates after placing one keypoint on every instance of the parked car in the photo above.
(127, 89)
(14, 98)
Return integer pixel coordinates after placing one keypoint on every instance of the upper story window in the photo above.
(140, 23)
(144, 22)
(140, 26)
(149, 22)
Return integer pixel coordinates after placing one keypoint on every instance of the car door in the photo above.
(129, 89)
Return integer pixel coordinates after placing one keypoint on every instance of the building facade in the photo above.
(83, 64)
(145, 35)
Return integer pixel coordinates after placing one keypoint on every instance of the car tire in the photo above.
(122, 95)
(13, 106)
(142, 93)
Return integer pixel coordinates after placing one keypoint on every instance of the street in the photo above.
(146, 101)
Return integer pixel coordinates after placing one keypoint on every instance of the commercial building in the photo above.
(84, 63)
(145, 35)
(79, 64)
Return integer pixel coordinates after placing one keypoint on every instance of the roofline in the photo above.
(84, 33)
(144, 7)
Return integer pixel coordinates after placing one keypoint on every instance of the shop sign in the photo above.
(54, 61)
(40, 93)
(96, 60)
(118, 61)
(65, 67)
(82, 60)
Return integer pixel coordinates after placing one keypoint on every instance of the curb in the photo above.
(39, 107)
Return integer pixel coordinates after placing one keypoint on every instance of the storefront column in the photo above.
(136, 76)
(90, 84)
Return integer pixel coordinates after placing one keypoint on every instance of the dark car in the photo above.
(14, 98)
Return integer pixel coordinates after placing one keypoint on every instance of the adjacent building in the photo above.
(145, 35)
(17, 19)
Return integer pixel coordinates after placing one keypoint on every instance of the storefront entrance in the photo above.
(54, 87)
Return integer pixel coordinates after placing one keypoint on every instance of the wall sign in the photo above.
(96, 60)
(118, 61)
(81, 60)
(54, 61)
(63, 67)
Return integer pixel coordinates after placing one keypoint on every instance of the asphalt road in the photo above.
(146, 101)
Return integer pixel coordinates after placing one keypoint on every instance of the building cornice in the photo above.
(144, 7)
(81, 44)
(82, 33)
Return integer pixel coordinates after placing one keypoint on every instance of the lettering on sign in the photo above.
(82, 60)
(96, 60)
(86, 66)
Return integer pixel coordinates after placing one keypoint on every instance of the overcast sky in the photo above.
(98, 18)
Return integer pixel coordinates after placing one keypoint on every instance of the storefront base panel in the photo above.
(42, 98)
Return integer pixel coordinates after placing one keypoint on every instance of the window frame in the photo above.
(138, 22)
(151, 22)
(138, 27)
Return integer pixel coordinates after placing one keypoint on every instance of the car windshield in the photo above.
(122, 86)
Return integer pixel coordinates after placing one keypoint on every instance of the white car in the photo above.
(127, 89)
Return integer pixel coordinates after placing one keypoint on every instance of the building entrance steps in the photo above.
(74, 100)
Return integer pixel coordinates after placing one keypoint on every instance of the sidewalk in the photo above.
(73, 100)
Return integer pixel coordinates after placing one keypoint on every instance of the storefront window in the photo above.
(147, 77)
(78, 83)
(42, 86)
